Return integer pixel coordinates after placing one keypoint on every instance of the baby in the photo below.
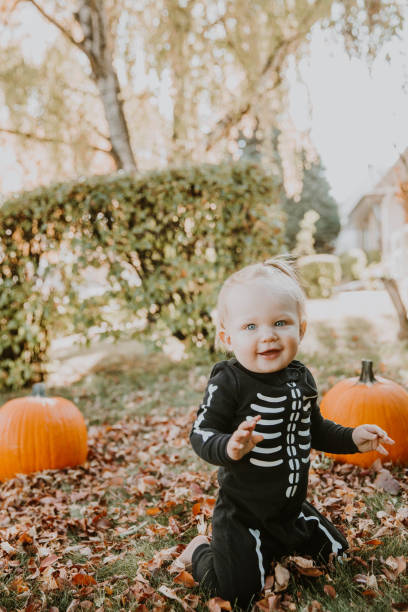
(258, 421)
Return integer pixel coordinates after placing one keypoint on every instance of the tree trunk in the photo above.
(92, 18)
(391, 286)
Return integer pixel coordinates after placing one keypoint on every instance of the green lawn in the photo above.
(102, 536)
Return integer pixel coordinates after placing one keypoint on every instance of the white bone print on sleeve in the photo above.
(198, 422)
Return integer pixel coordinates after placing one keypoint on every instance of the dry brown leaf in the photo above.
(374, 542)
(282, 577)
(302, 561)
(216, 604)
(397, 564)
(315, 606)
(269, 582)
(370, 593)
(270, 603)
(185, 578)
(330, 590)
(171, 594)
(83, 580)
(47, 561)
(386, 482)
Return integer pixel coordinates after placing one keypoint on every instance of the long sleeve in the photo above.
(330, 437)
(214, 423)
(326, 435)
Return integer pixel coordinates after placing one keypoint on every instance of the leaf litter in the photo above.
(138, 496)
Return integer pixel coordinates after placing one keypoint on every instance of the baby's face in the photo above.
(262, 327)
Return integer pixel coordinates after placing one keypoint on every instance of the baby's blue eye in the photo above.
(251, 326)
(280, 323)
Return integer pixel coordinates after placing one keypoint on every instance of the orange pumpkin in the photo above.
(40, 433)
(378, 401)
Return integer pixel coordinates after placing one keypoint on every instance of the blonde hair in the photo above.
(279, 269)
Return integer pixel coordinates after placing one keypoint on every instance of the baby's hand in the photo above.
(368, 437)
(243, 439)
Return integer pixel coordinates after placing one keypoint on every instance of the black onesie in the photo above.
(261, 512)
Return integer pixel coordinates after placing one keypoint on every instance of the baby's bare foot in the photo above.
(184, 561)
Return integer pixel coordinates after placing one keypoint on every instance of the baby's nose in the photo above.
(269, 333)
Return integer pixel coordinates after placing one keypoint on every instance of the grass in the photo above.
(139, 464)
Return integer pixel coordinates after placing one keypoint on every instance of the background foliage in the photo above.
(315, 195)
(159, 244)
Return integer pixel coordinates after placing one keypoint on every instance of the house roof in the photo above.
(390, 181)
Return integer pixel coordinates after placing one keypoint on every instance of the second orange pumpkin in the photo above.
(372, 400)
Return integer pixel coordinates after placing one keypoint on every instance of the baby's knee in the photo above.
(232, 582)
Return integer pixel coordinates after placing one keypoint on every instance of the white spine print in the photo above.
(294, 464)
(267, 410)
(201, 432)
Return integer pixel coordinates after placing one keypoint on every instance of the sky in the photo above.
(358, 120)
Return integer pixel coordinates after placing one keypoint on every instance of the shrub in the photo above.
(319, 274)
(353, 263)
(162, 243)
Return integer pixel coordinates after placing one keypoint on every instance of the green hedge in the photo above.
(164, 242)
(319, 274)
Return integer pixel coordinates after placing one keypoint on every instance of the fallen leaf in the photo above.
(386, 482)
(153, 511)
(47, 561)
(370, 593)
(269, 582)
(7, 548)
(171, 594)
(315, 606)
(302, 561)
(270, 603)
(185, 578)
(361, 578)
(196, 508)
(312, 572)
(83, 580)
(397, 564)
(330, 590)
(374, 542)
(282, 577)
(216, 604)
(400, 606)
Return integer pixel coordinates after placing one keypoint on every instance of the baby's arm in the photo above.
(369, 438)
(243, 439)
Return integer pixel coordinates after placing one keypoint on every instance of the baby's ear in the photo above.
(302, 329)
(223, 337)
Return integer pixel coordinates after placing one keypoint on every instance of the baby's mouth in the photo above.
(270, 352)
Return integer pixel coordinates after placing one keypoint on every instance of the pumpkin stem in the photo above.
(39, 390)
(367, 375)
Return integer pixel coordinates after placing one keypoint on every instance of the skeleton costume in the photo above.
(261, 512)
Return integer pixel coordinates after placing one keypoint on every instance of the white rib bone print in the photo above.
(265, 411)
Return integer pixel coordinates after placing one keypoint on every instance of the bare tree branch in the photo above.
(60, 27)
(392, 288)
(32, 136)
(272, 64)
